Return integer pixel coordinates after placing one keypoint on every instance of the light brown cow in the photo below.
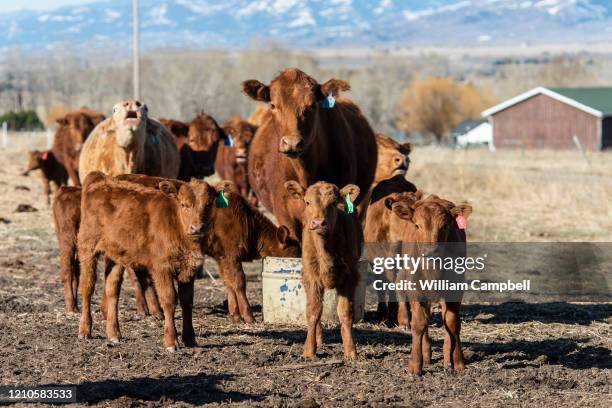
(331, 247)
(130, 142)
(438, 225)
(160, 230)
(257, 117)
(74, 128)
(51, 170)
(304, 138)
(231, 161)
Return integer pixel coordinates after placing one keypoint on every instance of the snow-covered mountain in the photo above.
(310, 23)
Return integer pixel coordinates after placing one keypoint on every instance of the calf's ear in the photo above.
(403, 210)
(294, 189)
(462, 209)
(350, 189)
(406, 148)
(168, 188)
(256, 90)
(61, 121)
(334, 86)
(282, 235)
(227, 186)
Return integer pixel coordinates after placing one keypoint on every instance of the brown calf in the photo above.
(160, 230)
(331, 247)
(67, 218)
(231, 162)
(240, 233)
(51, 170)
(433, 222)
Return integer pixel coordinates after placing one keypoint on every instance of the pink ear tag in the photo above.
(44, 155)
(461, 221)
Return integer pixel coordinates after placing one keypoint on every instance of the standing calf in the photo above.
(438, 225)
(51, 170)
(140, 227)
(331, 247)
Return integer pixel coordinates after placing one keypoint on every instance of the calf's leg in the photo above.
(418, 328)
(453, 354)
(345, 315)
(235, 279)
(141, 304)
(87, 284)
(112, 288)
(162, 278)
(69, 278)
(185, 293)
(314, 309)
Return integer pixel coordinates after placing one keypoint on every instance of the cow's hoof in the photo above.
(113, 341)
(84, 336)
(171, 349)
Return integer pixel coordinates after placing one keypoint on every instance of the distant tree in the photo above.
(434, 106)
(26, 120)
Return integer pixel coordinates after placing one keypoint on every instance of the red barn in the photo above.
(549, 118)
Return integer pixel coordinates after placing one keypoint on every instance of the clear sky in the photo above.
(14, 5)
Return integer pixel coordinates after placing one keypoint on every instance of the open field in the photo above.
(518, 354)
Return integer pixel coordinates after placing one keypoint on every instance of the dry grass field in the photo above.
(518, 354)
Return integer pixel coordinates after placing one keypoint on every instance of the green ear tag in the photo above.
(350, 207)
(221, 201)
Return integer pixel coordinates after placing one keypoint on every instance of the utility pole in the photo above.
(136, 52)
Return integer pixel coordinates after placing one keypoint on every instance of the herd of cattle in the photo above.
(306, 155)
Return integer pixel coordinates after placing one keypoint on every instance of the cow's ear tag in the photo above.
(350, 207)
(154, 139)
(221, 201)
(328, 102)
(44, 155)
(461, 221)
(229, 140)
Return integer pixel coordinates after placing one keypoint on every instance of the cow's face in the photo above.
(294, 99)
(195, 199)
(429, 221)
(204, 133)
(34, 158)
(321, 204)
(242, 134)
(76, 126)
(393, 158)
(130, 117)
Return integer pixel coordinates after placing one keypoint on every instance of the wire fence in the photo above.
(13, 140)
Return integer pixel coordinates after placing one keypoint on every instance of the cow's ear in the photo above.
(462, 209)
(406, 148)
(402, 209)
(334, 87)
(227, 186)
(294, 189)
(350, 189)
(168, 188)
(256, 90)
(282, 235)
(418, 194)
(389, 202)
(61, 121)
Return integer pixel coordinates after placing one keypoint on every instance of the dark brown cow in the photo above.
(74, 128)
(231, 162)
(331, 247)
(160, 230)
(51, 170)
(302, 138)
(435, 222)
(67, 218)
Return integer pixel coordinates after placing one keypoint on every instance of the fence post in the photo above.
(581, 148)
(49, 139)
(4, 135)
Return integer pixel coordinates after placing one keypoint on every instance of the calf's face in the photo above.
(242, 132)
(34, 158)
(293, 98)
(204, 133)
(321, 202)
(195, 200)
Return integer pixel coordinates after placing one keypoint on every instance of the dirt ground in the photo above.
(548, 354)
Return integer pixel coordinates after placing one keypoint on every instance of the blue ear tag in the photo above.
(221, 201)
(328, 102)
(154, 139)
(229, 140)
(350, 207)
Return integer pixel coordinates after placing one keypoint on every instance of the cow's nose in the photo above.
(400, 161)
(195, 229)
(317, 223)
(290, 144)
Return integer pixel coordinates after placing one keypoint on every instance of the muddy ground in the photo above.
(550, 354)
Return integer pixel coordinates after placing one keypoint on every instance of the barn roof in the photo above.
(596, 100)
